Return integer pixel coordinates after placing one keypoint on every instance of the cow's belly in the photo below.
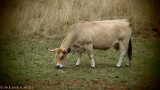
(104, 44)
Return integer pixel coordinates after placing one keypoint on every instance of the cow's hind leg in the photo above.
(123, 49)
(127, 60)
(79, 58)
(89, 49)
(129, 53)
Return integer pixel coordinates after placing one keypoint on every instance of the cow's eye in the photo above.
(62, 57)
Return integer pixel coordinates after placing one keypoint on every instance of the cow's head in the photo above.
(61, 56)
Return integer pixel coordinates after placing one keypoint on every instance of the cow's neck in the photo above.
(68, 41)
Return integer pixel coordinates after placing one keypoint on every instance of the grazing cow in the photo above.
(102, 35)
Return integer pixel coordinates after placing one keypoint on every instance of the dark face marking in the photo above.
(62, 57)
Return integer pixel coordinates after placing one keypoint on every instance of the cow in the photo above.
(102, 35)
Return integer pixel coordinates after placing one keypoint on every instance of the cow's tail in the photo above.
(130, 50)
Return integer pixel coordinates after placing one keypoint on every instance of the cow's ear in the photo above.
(68, 50)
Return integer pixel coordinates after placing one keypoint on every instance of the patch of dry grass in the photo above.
(51, 17)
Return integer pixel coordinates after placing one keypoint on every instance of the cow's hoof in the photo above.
(127, 65)
(118, 66)
(77, 65)
(93, 66)
(59, 67)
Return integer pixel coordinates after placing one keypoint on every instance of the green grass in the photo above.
(25, 61)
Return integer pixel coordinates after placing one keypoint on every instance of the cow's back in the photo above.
(103, 34)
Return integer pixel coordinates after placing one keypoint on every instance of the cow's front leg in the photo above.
(79, 59)
(89, 49)
(92, 60)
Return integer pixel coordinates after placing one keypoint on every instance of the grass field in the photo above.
(25, 61)
(27, 27)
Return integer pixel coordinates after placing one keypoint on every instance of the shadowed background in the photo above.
(51, 17)
(27, 27)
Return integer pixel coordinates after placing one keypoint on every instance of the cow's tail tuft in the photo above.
(130, 50)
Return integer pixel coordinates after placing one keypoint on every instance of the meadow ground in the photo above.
(25, 61)
(27, 27)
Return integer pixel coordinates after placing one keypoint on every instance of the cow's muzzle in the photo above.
(59, 66)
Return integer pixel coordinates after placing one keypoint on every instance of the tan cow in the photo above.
(102, 35)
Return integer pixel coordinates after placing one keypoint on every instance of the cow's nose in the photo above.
(58, 67)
